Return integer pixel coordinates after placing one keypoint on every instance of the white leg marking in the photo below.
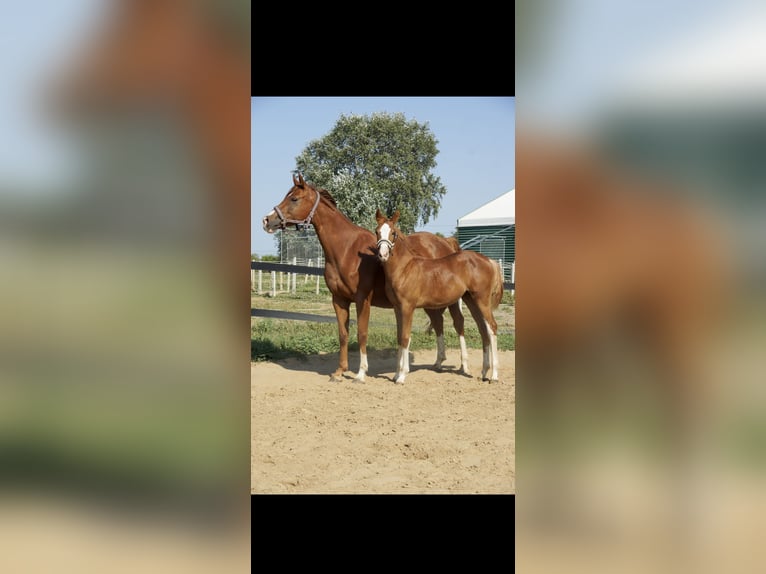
(493, 350)
(363, 368)
(463, 354)
(401, 372)
(407, 358)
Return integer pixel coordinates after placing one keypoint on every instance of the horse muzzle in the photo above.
(272, 222)
(384, 249)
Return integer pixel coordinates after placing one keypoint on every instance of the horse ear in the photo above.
(379, 217)
(395, 218)
(300, 179)
(295, 180)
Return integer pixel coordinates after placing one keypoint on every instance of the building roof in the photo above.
(499, 211)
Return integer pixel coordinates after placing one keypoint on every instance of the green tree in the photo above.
(379, 161)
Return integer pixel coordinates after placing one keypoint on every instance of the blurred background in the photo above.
(641, 317)
(124, 196)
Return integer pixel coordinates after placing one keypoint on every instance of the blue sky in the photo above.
(476, 148)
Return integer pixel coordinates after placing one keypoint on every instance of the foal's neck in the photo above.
(402, 254)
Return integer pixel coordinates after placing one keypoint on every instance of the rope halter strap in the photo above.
(390, 244)
(299, 224)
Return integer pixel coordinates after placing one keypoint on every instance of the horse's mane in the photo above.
(326, 194)
(323, 193)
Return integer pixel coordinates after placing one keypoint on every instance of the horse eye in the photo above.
(293, 199)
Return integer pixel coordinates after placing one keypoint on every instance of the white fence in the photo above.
(283, 278)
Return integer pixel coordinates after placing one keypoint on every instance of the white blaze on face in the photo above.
(385, 233)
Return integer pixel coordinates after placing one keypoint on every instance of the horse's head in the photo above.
(386, 233)
(297, 208)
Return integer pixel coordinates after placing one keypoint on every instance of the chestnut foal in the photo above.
(414, 282)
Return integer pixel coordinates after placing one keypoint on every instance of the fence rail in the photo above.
(292, 271)
(292, 316)
(287, 268)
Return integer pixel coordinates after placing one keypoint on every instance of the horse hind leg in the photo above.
(459, 322)
(486, 341)
(437, 322)
(491, 327)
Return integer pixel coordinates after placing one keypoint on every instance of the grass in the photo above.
(278, 339)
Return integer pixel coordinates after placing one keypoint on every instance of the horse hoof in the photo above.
(358, 380)
(335, 379)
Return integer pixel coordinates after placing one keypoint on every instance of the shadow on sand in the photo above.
(382, 362)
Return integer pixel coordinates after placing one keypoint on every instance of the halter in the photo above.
(390, 244)
(387, 241)
(299, 224)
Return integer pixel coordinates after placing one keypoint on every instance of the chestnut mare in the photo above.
(414, 282)
(352, 272)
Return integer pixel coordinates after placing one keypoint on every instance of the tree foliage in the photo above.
(379, 161)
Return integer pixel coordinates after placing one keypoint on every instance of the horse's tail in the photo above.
(497, 284)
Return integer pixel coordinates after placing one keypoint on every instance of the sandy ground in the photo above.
(440, 432)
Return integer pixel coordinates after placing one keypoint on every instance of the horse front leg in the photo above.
(437, 322)
(398, 314)
(362, 321)
(404, 328)
(341, 307)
